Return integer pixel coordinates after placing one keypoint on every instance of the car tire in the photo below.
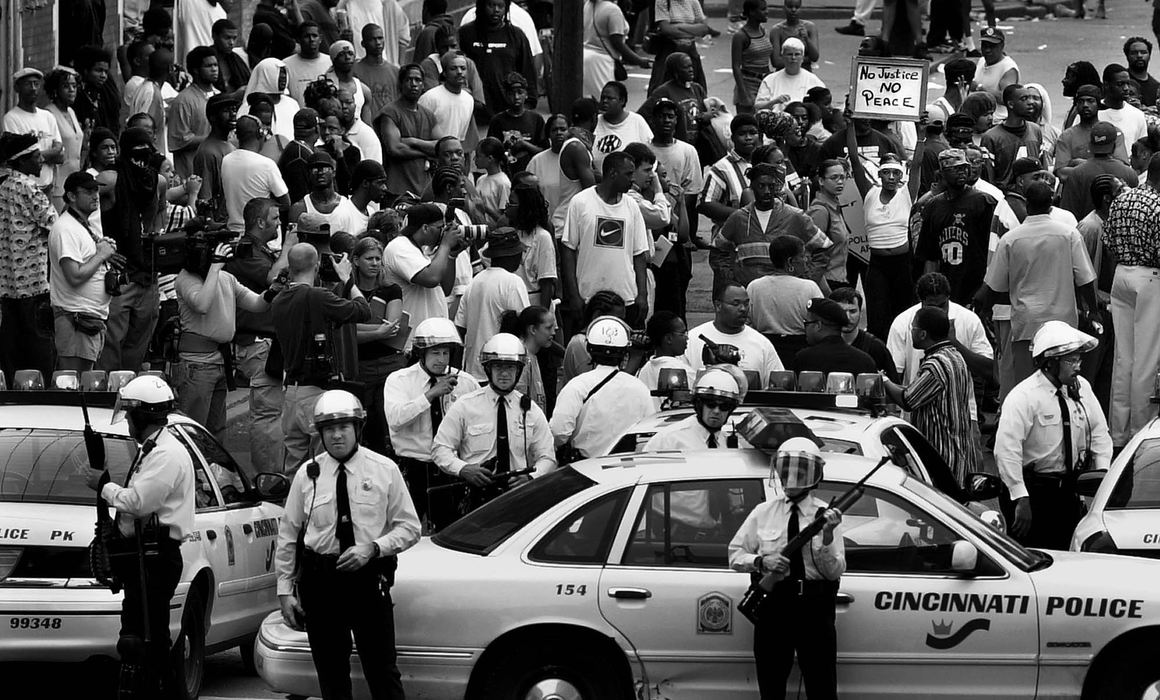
(1130, 675)
(189, 649)
(528, 672)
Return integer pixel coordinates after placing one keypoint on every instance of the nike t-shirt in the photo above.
(606, 237)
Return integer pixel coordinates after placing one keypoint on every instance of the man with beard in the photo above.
(132, 204)
(1138, 51)
(221, 111)
(406, 130)
(1074, 142)
(1017, 137)
(322, 199)
(956, 228)
(729, 327)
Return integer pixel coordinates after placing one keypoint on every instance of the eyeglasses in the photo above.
(719, 404)
(1073, 360)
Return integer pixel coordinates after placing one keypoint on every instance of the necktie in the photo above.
(436, 409)
(712, 441)
(1065, 420)
(503, 455)
(797, 566)
(344, 528)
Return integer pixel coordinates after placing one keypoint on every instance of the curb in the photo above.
(1003, 11)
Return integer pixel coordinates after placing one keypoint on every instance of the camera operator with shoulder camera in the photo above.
(348, 515)
(208, 298)
(304, 315)
(154, 514)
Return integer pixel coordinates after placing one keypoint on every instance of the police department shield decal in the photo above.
(715, 614)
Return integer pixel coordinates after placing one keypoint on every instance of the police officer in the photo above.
(1050, 428)
(495, 429)
(798, 616)
(415, 400)
(351, 511)
(593, 408)
(716, 395)
(155, 512)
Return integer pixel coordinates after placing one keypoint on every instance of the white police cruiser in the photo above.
(51, 607)
(1123, 514)
(592, 583)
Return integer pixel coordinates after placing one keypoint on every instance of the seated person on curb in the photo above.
(593, 408)
(828, 351)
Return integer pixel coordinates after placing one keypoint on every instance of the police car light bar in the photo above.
(805, 390)
(55, 397)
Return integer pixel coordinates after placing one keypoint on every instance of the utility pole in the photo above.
(567, 55)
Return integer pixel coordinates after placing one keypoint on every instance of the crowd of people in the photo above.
(353, 206)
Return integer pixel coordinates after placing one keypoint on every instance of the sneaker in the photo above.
(851, 29)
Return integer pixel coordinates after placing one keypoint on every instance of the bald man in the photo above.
(301, 312)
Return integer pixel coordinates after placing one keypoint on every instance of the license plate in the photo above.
(34, 623)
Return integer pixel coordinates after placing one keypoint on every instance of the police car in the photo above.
(597, 582)
(51, 607)
(846, 423)
(1124, 510)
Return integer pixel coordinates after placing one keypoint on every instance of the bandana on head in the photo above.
(776, 125)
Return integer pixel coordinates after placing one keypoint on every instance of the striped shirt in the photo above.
(724, 182)
(1132, 230)
(938, 400)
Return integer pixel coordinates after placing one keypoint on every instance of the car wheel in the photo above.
(246, 649)
(543, 673)
(189, 651)
(1131, 675)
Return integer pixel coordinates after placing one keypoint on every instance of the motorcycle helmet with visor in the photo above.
(799, 466)
(147, 396)
(337, 406)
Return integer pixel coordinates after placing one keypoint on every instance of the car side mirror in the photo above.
(982, 487)
(994, 519)
(271, 486)
(964, 557)
(1087, 483)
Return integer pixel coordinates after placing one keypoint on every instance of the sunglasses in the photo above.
(719, 404)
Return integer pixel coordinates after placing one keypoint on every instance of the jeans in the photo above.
(201, 395)
(298, 424)
(889, 291)
(266, 400)
(1135, 308)
(132, 318)
(26, 336)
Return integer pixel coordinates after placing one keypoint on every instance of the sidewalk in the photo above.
(844, 10)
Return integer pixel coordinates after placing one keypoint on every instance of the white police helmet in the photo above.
(503, 347)
(147, 393)
(1056, 339)
(337, 406)
(609, 332)
(725, 381)
(799, 465)
(433, 332)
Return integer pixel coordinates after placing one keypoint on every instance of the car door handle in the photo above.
(843, 599)
(211, 534)
(248, 529)
(630, 593)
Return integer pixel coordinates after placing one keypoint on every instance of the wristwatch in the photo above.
(759, 563)
(378, 550)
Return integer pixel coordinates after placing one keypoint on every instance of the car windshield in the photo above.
(1139, 484)
(487, 527)
(48, 466)
(1025, 558)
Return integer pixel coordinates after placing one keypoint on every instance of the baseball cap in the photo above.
(828, 311)
(1025, 166)
(81, 179)
(320, 157)
(25, 73)
(665, 102)
(305, 118)
(311, 222)
(219, 102)
(993, 35)
(367, 170)
(952, 157)
(1103, 137)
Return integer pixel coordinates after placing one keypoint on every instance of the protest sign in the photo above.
(888, 88)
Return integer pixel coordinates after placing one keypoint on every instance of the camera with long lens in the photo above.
(472, 233)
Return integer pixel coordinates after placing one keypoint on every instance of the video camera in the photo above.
(192, 246)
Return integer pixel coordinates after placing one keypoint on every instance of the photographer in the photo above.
(207, 300)
(425, 280)
(257, 267)
(303, 313)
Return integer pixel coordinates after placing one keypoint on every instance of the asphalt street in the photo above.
(1043, 48)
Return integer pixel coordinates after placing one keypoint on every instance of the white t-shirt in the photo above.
(545, 165)
(300, 72)
(539, 262)
(453, 111)
(246, 175)
(344, 217)
(487, 296)
(682, 165)
(43, 126)
(193, 25)
(362, 137)
(402, 260)
(650, 373)
(757, 353)
(1129, 120)
(69, 239)
(782, 83)
(606, 238)
(520, 19)
(967, 329)
(609, 137)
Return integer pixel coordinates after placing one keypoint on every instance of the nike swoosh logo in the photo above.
(957, 638)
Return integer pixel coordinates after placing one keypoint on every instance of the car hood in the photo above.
(1134, 530)
(1099, 577)
(46, 524)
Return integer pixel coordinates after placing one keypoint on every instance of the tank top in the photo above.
(755, 56)
(568, 189)
(344, 217)
(988, 78)
(887, 224)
